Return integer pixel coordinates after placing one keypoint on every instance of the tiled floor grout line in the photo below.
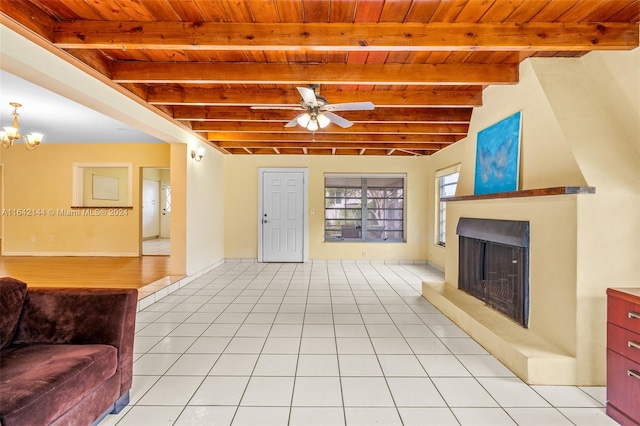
(329, 289)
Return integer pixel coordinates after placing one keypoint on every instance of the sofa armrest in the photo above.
(82, 316)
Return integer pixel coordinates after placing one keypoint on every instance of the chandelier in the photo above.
(11, 134)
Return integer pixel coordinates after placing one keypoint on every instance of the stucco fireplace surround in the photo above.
(565, 342)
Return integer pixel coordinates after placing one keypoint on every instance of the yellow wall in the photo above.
(574, 134)
(241, 204)
(443, 159)
(178, 225)
(552, 221)
(120, 173)
(41, 185)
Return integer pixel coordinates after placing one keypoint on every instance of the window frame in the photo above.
(440, 222)
(363, 229)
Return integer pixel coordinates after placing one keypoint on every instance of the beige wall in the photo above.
(41, 181)
(157, 174)
(241, 204)
(575, 133)
(603, 132)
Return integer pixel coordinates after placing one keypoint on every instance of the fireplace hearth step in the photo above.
(528, 355)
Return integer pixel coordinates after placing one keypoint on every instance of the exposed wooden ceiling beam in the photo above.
(329, 137)
(360, 37)
(234, 96)
(330, 73)
(337, 145)
(404, 115)
(375, 128)
(414, 153)
(325, 151)
(27, 15)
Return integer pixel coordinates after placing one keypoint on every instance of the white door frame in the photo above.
(165, 218)
(305, 198)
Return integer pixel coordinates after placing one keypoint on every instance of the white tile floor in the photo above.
(326, 343)
(156, 247)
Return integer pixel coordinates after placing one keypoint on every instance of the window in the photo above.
(364, 208)
(446, 183)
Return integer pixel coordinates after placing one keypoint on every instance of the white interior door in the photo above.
(165, 202)
(150, 208)
(282, 220)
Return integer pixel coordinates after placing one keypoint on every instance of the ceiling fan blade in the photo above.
(293, 122)
(349, 106)
(308, 95)
(342, 122)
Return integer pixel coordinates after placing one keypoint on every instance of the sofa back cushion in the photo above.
(12, 294)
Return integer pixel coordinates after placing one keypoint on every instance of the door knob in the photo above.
(265, 221)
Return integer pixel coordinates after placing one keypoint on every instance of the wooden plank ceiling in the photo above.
(422, 63)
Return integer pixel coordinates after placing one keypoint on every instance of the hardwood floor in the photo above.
(118, 272)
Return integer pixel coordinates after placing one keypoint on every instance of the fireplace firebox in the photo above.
(494, 264)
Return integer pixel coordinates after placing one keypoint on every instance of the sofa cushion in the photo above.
(12, 293)
(41, 382)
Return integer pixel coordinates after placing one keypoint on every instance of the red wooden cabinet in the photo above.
(623, 355)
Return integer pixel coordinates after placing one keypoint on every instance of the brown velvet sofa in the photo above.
(66, 354)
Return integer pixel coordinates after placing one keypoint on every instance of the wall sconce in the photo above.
(197, 154)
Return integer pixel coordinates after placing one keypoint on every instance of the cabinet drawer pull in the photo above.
(633, 373)
(633, 344)
(634, 315)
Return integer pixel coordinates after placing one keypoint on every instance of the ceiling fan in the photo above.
(318, 112)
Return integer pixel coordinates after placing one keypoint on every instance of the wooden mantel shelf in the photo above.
(540, 192)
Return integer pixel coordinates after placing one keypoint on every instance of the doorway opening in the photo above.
(155, 212)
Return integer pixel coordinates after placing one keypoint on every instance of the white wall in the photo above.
(205, 209)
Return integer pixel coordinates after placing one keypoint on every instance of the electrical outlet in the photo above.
(364, 253)
(33, 238)
(313, 211)
(51, 238)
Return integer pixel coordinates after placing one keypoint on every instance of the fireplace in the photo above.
(494, 264)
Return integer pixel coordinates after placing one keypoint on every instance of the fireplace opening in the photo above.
(494, 264)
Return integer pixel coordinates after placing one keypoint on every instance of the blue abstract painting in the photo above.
(497, 157)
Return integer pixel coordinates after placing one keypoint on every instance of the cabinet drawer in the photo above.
(623, 342)
(623, 390)
(624, 314)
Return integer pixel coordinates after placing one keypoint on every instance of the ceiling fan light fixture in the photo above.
(323, 121)
(304, 119)
(313, 124)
